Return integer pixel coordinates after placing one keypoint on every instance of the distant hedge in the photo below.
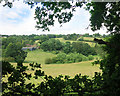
(68, 58)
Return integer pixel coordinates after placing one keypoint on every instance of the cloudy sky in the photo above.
(19, 20)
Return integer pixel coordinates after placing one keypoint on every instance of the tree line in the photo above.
(67, 47)
(68, 58)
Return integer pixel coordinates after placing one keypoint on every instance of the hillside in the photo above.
(88, 40)
(71, 69)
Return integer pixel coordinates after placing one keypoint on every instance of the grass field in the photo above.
(38, 56)
(92, 44)
(71, 69)
(88, 38)
(85, 68)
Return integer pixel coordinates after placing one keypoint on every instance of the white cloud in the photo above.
(12, 15)
(22, 21)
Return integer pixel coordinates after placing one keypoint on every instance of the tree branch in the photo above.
(100, 41)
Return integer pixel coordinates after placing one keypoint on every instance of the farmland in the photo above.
(92, 44)
(40, 56)
(54, 57)
(71, 69)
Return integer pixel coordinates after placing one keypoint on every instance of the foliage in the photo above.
(71, 37)
(106, 13)
(23, 39)
(99, 50)
(67, 48)
(15, 51)
(68, 58)
(56, 46)
(9, 59)
(105, 84)
(43, 38)
(90, 57)
(83, 48)
(17, 76)
(48, 61)
(53, 10)
(96, 35)
(51, 45)
(87, 35)
(110, 66)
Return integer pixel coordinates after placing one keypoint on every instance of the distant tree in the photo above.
(51, 35)
(96, 35)
(86, 35)
(59, 36)
(51, 45)
(15, 50)
(83, 48)
(6, 41)
(36, 37)
(71, 37)
(67, 48)
(43, 38)
(61, 57)
(68, 58)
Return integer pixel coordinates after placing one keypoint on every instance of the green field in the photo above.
(92, 44)
(38, 56)
(88, 38)
(71, 69)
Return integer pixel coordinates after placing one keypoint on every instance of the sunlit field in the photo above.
(85, 67)
(92, 44)
(71, 69)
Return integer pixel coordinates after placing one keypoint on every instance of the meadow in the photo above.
(92, 44)
(85, 67)
(71, 69)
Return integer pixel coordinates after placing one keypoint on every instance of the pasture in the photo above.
(92, 44)
(85, 67)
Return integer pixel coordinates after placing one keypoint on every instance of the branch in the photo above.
(100, 41)
(30, 93)
(92, 90)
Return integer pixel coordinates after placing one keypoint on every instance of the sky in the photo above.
(19, 20)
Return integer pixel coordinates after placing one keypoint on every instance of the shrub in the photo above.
(84, 58)
(55, 52)
(61, 57)
(78, 57)
(8, 59)
(48, 61)
(68, 58)
(54, 60)
(90, 57)
(83, 48)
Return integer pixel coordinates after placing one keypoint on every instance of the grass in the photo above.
(38, 56)
(92, 44)
(85, 68)
(88, 38)
(71, 69)
(63, 40)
